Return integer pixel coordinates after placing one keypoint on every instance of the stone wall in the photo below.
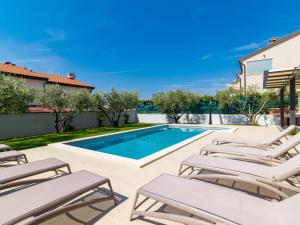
(35, 123)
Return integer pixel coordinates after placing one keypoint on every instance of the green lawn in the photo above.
(42, 140)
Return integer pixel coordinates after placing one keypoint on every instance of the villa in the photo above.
(38, 80)
(278, 54)
(157, 137)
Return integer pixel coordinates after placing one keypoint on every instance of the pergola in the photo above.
(280, 79)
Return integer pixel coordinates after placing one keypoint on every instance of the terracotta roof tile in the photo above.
(21, 71)
(38, 109)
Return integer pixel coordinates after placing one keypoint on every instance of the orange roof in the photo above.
(38, 109)
(21, 71)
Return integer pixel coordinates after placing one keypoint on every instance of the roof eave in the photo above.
(28, 76)
(278, 42)
(72, 85)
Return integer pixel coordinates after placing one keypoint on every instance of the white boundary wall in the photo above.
(21, 125)
(237, 119)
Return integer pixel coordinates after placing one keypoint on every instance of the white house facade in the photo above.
(279, 54)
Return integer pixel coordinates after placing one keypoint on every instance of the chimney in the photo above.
(71, 76)
(9, 63)
(273, 39)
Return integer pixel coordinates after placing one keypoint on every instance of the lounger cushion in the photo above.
(223, 202)
(29, 169)
(10, 154)
(253, 141)
(240, 140)
(235, 166)
(42, 197)
(227, 149)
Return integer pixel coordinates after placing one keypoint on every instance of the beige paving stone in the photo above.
(126, 180)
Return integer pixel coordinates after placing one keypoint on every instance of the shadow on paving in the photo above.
(162, 209)
(88, 215)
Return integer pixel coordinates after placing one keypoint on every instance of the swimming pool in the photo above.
(143, 145)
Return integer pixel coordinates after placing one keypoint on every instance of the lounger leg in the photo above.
(69, 169)
(18, 160)
(180, 168)
(25, 159)
(112, 193)
(134, 205)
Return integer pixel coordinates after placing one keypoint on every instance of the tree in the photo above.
(15, 97)
(78, 101)
(229, 100)
(130, 101)
(66, 105)
(250, 104)
(174, 103)
(114, 103)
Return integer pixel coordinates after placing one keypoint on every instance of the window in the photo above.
(259, 66)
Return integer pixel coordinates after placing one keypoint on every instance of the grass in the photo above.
(45, 139)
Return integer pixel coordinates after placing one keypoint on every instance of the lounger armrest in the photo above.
(238, 178)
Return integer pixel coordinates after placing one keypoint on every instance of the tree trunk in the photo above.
(56, 123)
(175, 119)
(252, 119)
(115, 123)
(118, 118)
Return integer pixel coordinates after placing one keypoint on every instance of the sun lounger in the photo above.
(12, 176)
(254, 142)
(41, 202)
(13, 156)
(205, 203)
(274, 175)
(4, 147)
(254, 152)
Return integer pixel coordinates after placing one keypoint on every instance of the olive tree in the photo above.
(130, 101)
(65, 104)
(15, 97)
(112, 104)
(174, 103)
(251, 103)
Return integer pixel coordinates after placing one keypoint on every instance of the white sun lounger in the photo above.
(9, 156)
(41, 202)
(4, 147)
(248, 141)
(274, 175)
(15, 175)
(254, 152)
(205, 203)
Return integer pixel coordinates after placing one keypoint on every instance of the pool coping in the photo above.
(123, 160)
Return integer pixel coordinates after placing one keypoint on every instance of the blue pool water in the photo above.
(141, 143)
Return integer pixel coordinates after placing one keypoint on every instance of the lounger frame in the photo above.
(284, 134)
(289, 185)
(70, 204)
(58, 170)
(206, 217)
(19, 159)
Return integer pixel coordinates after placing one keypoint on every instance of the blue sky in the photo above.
(140, 45)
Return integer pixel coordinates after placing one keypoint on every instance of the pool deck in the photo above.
(126, 180)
